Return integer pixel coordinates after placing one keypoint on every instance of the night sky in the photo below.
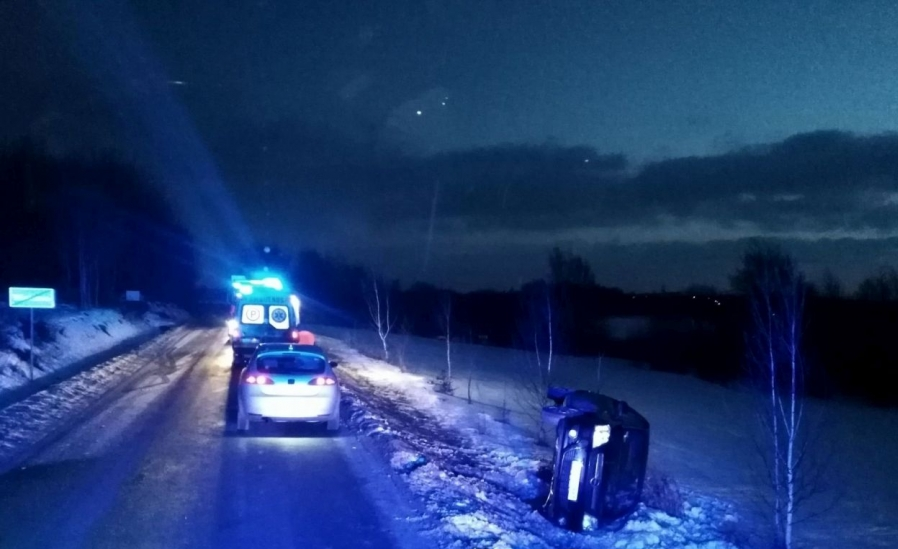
(458, 141)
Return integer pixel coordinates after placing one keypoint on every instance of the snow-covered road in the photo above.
(158, 466)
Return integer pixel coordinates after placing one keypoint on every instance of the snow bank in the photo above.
(483, 479)
(27, 422)
(66, 335)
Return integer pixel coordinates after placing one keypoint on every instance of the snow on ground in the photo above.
(27, 422)
(702, 433)
(66, 335)
(483, 479)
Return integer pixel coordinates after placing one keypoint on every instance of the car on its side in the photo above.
(288, 383)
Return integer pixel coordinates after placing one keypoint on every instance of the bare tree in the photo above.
(378, 301)
(446, 320)
(541, 322)
(443, 381)
(551, 336)
(882, 286)
(400, 349)
(565, 267)
(534, 379)
(776, 296)
(831, 286)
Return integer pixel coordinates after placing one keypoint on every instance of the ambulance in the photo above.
(264, 310)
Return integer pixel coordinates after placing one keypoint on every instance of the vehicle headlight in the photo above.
(572, 434)
(601, 434)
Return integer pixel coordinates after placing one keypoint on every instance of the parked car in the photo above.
(288, 383)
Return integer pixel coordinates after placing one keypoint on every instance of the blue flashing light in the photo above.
(244, 289)
(273, 283)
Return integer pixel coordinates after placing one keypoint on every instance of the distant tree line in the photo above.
(848, 339)
(91, 229)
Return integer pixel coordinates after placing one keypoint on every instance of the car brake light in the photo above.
(323, 380)
(258, 380)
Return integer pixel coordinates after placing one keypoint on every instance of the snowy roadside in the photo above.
(27, 423)
(66, 335)
(482, 478)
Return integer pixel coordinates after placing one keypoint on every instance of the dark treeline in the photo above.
(92, 229)
(849, 341)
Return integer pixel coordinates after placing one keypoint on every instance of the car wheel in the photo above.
(242, 419)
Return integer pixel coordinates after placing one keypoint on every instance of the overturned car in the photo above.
(601, 454)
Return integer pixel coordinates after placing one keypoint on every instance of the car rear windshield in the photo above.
(291, 364)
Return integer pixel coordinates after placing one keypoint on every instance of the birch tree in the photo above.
(446, 321)
(377, 297)
(776, 297)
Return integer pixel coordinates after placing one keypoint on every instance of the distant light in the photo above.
(443, 103)
(419, 113)
(572, 433)
(267, 250)
(586, 160)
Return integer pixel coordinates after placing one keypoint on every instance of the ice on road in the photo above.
(161, 467)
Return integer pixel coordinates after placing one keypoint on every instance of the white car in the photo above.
(289, 383)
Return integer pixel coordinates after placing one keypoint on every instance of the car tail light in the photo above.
(294, 335)
(323, 380)
(257, 379)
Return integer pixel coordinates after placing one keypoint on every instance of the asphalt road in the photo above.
(161, 467)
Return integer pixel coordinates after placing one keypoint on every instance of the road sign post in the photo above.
(32, 298)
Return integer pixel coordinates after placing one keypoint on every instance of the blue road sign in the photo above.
(32, 298)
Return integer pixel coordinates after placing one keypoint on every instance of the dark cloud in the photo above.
(489, 209)
(810, 186)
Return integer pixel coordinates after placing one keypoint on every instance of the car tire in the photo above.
(242, 419)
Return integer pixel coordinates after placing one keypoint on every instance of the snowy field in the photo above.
(66, 335)
(703, 435)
